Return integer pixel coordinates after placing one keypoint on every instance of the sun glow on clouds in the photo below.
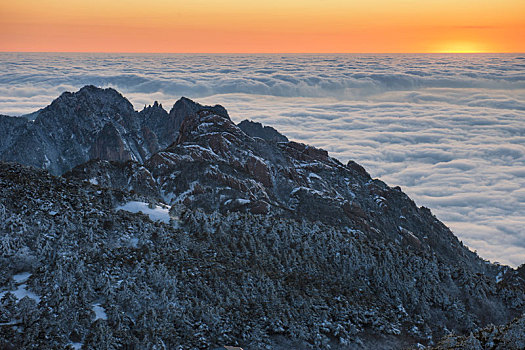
(461, 47)
(269, 26)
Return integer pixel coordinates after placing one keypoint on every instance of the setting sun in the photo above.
(461, 47)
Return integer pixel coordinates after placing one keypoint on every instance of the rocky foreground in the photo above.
(248, 239)
(508, 336)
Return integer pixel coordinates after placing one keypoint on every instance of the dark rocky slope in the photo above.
(214, 165)
(130, 176)
(509, 336)
(213, 279)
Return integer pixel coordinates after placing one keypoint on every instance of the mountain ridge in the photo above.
(85, 118)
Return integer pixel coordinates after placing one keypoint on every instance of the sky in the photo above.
(270, 26)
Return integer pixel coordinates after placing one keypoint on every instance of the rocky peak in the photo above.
(92, 123)
(155, 107)
(267, 133)
(165, 126)
(185, 107)
(154, 120)
(207, 125)
(89, 102)
(72, 129)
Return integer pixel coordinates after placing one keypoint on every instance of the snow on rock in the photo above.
(47, 162)
(100, 312)
(314, 176)
(238, 201)
(21, 277)
(499, 277)
(158, 213)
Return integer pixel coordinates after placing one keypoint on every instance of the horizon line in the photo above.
(277, 53)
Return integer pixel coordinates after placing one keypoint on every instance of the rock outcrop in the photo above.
(510, 336)
(267, 133)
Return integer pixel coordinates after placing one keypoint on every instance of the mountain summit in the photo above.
(185, 230)
(92, 123)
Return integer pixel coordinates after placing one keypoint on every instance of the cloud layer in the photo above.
(450, 130)
(27, 80)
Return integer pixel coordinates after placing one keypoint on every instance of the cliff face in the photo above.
(267, 243)
(108, 145)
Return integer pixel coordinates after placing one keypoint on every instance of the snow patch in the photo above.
(158, 213)
(186, 194)
(21, 290)
(134, 242)
(21, 277)
(100, 312)
(47, 162)
(239, 201)
(309, 190)
(204, 126)
(499, 277)
(297, 189)
(315, 176)
(202, 149)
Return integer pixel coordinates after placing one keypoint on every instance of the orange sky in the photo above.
(268, 26)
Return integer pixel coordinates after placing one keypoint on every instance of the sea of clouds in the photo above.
(448, 129)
